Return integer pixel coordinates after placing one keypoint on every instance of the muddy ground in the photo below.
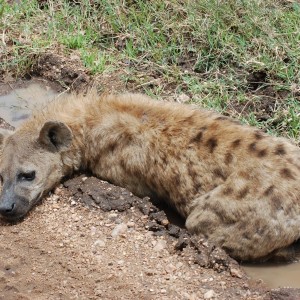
(92, 240)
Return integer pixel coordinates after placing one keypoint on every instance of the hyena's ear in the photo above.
(4, 133)
(56, 136)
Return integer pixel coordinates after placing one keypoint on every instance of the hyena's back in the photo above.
(233, 183)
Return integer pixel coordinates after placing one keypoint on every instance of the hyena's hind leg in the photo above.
(243, 226)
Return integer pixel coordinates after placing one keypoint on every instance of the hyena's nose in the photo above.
(6, 208)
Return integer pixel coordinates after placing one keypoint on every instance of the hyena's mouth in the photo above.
(19, 209)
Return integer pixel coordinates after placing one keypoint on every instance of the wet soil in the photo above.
(17, 100)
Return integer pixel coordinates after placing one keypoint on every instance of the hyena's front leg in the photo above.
(243, 226)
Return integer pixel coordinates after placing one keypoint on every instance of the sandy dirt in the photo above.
(66, 249)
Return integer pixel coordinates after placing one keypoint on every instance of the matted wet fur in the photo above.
(233, 183)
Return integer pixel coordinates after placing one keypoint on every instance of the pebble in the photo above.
(182, 98)
(150, 272)
(170, 268)
(55, 197)
(130, 224)
(209, 294)
(236, 273)
(93, 230)
(119, 229)
(165, 222)
(99, 243)
(160, 245)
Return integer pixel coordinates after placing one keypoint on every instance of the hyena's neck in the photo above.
(72, 111)
(74, 159)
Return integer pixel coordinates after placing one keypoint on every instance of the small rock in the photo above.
(209, 294)
(93, 230)
(130, 224)
(165, 222)
(55, 197)
(99, 243)
(119, 229)
(170, 268)
(160, 245)
(236, 273)
(183, 98)
(150, 272)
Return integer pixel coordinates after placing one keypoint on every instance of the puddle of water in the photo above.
(285, 275)
(17, 106)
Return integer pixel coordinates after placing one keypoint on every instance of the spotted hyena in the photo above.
(232, 183)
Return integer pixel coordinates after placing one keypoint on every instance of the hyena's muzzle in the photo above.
(13, 206)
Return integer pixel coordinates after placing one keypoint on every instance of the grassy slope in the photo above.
(239, 57)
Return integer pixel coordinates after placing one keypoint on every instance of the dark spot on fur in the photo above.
(280, 150)
(228, 158)
(286, 173)
(262, 153)
(252, 147)
(276, 202)
(206, 205)
(221, 118)
(236, 143)
(244, 175)
(269, 190)
(112, 147)
(207, 197)
(227, 191)
(192, 173)
(261, 230)
(208, 225)
(212, 143)
(219, 173)
(177, 179)
(236, 122)
(242, 225)
(258, 135)
(288, 209)
(182, 203)
(243, 192)
(246, 236)
(197, 138)
(197, 187)
(123, 163)
(164, 160)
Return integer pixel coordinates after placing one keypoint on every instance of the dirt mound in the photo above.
(67, 71)
(94, 192)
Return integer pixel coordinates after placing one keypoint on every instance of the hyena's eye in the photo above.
(28, 176)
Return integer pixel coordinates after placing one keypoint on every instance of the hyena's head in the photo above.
(30, 165)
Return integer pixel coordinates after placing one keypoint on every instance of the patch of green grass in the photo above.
(207, 50)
